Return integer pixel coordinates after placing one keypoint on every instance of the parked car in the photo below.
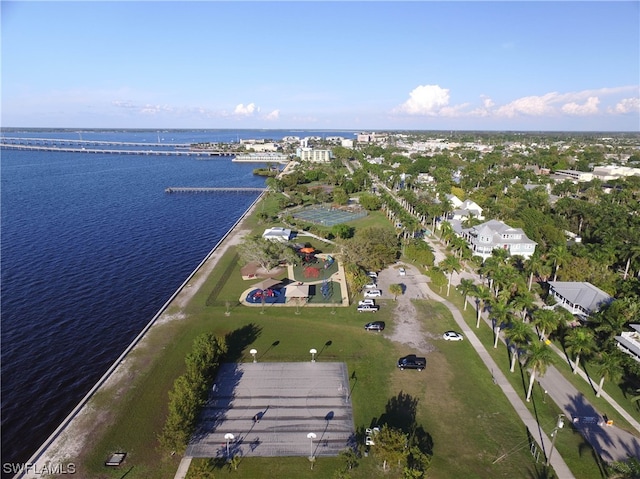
(374, 326)
(452, 336)
(412, 362)
(372, 274)
(369, 308)
(371, 286)
(364, 302)
(372, 293)
(402, 272)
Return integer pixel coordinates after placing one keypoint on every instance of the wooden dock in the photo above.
(180, 189)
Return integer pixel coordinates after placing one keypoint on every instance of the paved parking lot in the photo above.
(270, 408)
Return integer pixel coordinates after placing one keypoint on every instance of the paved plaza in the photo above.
(270, 408)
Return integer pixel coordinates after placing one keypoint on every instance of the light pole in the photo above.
(554, 434)
(311, 436)
(253, 353)
(313, 356)
(229, 437)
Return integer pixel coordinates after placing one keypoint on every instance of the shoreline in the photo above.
(69, 438)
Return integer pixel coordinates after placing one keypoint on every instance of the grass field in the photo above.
(474, 431)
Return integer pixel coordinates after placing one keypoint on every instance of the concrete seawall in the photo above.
(62, 445)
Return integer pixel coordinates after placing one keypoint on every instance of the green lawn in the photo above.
(469, 421)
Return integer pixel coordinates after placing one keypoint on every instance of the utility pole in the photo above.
(554, 434)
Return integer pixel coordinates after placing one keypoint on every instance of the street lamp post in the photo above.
(313, 355)
(311, 436)
(554, 434)
(229, 437)
(253, 353)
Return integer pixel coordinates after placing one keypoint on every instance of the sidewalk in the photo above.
(610, 442)
(543, 441)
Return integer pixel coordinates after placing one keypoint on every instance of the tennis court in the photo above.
(328, 215)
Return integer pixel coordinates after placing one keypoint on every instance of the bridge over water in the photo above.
(76, 148)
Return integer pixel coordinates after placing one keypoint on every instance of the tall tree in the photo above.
(483, 296)
(580, 342)
(465, 287)
(518, 335)
(539, 357)
(609, 367)
(559, 255)
(546, 320)
(450, 265)
(501, 315)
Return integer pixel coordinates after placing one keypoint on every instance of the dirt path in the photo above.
(408, 329)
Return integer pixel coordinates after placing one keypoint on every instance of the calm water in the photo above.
(91, 248)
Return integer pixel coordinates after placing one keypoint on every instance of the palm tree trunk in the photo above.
(465, 303)
(530, 280)
(600, 387)
(626, 268)
(514, 356)
(449, 285)
(575, 364)
(531, 380)
(479, 313)
(496, 330)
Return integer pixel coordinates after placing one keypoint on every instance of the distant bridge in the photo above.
(69, 149)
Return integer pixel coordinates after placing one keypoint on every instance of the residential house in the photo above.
(486, 237)
(629, 341)
(578, 297)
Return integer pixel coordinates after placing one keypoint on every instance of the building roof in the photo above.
(581, 293)
(630, 341)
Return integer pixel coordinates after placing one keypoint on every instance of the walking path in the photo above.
(558, 464)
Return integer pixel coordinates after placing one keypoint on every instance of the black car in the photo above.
(412, 362)
(374, 326)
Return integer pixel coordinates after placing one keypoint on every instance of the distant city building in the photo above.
(309, 154)
(578, 297)
(345, 143)
(486, 237)
(371, 137)
(262, 157)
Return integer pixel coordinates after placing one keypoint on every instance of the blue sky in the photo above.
(453, 65)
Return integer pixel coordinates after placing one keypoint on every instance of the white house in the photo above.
(629, 341)
(277, 233)
(467, 209)
(578, 297)
(486, 237)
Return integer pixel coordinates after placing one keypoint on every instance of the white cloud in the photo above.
(246, 110)
(529, 105)
(425, 100)
(274, 115)
(590, 107)
(627, 105)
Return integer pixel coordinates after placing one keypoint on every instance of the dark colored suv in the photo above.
(374, 326)
(412, 362)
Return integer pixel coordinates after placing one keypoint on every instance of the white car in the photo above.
(371, 286)
(372, 274)
(372, 293)
(452, 336)
(367, 302)
(402, 272)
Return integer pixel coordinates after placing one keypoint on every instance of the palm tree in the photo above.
(500, 313)
(609, 367)
(539, 357)
(523, 301)
(546, 320)
(532, 266)
(579, 341)
(519, 334)
(483, 296)
(449, 265)
(560, 256)
(465, 287)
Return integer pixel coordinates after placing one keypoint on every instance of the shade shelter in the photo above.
(297, 291)
(267, 283)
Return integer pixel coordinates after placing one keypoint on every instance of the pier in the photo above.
(181, 189)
